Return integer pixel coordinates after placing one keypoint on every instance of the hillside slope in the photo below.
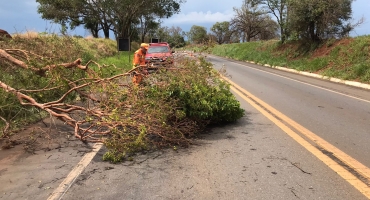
(347, 59)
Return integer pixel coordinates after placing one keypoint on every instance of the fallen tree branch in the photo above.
(41, 72)
(6, 125)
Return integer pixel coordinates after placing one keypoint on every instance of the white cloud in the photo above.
(200, 17)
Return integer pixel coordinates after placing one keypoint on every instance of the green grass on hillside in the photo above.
(122, 61)
(347, 59)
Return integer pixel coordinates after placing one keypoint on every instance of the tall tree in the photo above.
(316, 19)
(269, 30)
(173, 35)
(222, 32)
(198, 34)
(93, 14)
(120, 16)
(250, 19)
(279, 9)
(177, 37)
(147, 24)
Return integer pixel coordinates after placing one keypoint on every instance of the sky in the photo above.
(19, 16)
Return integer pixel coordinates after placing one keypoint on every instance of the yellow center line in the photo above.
(270, 112)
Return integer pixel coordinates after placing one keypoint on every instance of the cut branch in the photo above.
(6, 125)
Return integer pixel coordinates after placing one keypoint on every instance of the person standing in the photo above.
(139, 60)
(139, 55)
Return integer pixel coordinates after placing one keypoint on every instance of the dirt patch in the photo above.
(295, 51)
(325, 49)
(46, 135)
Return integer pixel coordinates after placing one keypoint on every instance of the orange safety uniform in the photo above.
(139, 58)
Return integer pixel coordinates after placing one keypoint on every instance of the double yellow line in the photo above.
(360, 176)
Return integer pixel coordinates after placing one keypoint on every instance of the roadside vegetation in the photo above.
(37, 51)
(346, 58)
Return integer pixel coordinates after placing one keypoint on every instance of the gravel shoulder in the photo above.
(38, 159)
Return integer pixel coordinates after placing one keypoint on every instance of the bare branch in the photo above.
(6, 124)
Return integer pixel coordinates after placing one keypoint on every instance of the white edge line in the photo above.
(352, 83)
(59, 192)
(336, 80)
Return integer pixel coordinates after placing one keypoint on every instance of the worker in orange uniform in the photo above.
(139, 56)
(139, 60)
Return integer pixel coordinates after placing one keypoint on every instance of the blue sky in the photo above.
(18, 16)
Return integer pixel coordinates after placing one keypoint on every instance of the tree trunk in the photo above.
(312, 32)
(142, 38)
(94, 32)
(283, 36)
(106, 33)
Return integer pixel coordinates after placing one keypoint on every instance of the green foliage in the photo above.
(170, 107)
(120, 16)
(173, 35)
(205, 98)
(222, 31)
(44, 50)
(197, 34)
(279, 9)
(316, 20)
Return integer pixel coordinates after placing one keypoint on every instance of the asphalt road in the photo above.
(250, 159)
(338, 113)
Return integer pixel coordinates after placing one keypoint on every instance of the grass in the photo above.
(122, 60)
(348, 58)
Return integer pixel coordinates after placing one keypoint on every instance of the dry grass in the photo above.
(27, 35)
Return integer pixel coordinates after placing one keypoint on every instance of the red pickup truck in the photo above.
(159, 54)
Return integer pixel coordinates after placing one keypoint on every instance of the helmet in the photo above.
(145, 45)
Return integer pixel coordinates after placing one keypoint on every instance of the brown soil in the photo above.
(324, 50)
(45, 135)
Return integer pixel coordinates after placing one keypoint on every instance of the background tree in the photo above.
(268, 30)
(236, 36)
(119, 16)
(279, 9)
(249, 19)
(317, 20)
(211, 38)
(197, 34)
(222, 32)
(72, 13)
(147, 24)
(175, 36)
(162, 33)
(127, 12)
